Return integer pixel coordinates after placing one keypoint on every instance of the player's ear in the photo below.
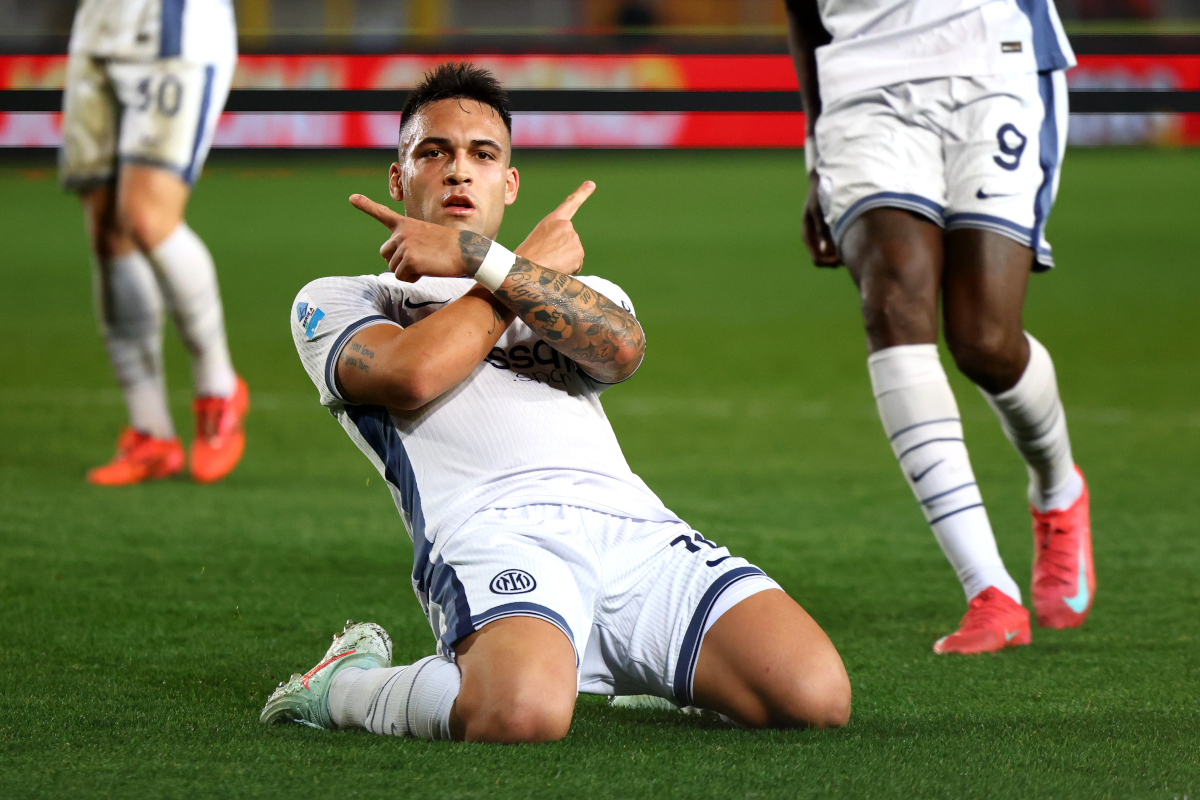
(395, 187)
(512, 183)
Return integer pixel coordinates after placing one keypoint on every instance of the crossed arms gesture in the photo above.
(406, 368)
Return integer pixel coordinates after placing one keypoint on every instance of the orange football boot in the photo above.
(993, 621)
(220, 439)
(1064, 580)
(140, 457)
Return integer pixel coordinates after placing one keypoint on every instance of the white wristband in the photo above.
(495, 267)
(810, 153)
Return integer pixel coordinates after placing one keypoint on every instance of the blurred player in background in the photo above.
(935, 135)
(544, 565)
(146, 82)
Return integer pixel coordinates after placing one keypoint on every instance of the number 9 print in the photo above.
(1012, 144)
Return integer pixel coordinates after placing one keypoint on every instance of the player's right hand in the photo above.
(817, 236)
(415, 248)
(553, 243)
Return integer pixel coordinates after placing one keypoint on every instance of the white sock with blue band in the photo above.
(920, 417)
(415, 700)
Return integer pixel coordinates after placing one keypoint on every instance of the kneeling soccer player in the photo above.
(545, 566)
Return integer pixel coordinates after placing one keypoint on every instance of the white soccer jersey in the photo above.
(195, 30)
(526, 427)
(884, 42)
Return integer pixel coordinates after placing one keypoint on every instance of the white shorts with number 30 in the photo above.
(159, 113)
(634, 597)
(982, 152)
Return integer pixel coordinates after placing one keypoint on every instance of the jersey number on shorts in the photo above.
(167, 98)
(1012, 145)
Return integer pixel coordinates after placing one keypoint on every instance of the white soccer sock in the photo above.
(189, 284)
(401, 701)
(920, 417)
(1032, 416)
(129, 310)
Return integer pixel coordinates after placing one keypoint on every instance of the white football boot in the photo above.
(305, 698)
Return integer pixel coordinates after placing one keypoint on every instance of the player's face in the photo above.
(453, 168)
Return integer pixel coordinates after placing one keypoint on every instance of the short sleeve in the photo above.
(616, 294)
(325, 315)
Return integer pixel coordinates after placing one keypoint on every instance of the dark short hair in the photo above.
(460, 79)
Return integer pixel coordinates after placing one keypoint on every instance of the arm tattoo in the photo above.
(474, 249)
(361, 361)
(581, 324)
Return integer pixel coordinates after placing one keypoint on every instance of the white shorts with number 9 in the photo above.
(982, 152)
(160, 113)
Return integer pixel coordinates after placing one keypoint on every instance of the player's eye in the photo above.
(433, 153)
(485, 155)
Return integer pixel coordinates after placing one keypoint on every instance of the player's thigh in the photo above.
(90, 124)
(766, 663)
(510, 597)
(519, 682)
(896, 261)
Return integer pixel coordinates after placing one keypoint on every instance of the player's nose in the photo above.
(457, 173)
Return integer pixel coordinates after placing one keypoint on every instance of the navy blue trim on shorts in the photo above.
(526, 609)
(1048, 158)
(170, 42)
(445, 589)
(922, 206)
(189, 174)
(1047, 51)
(339, 343)
(689, 651)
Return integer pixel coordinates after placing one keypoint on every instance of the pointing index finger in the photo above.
(380, 212)
(574, 200)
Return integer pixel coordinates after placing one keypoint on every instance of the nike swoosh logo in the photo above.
(917, 478)
(410, 304)
(982, 195)
(716, 561)
(1008, 635)
(1082, 597)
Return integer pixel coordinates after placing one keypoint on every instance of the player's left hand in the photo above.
(415, 248)
(553, 243)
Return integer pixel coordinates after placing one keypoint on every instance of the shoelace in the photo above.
(983, 614)
(1061, 561)
(208, 418)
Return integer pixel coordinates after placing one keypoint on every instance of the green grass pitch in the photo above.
(142, 628)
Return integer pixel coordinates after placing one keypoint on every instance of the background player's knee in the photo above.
(897, 280)
(150, 202)
(991, 355)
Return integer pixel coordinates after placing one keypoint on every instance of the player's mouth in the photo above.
(458, 205)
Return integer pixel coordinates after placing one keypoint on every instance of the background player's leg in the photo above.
(152, 202)
(985, 282)
(896, 261)
(766, 664)
(514, 681)
(129, 310)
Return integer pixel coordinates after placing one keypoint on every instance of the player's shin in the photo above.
(129, 309)
(402, 701)
(921, 419)
(1031, 414)
(189, 283)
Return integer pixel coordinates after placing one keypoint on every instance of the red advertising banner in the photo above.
(591, 72)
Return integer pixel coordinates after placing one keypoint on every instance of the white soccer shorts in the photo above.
(159, 113)
(982, 152)
(634, 597)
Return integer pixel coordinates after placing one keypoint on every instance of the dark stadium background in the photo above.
(144, 626)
